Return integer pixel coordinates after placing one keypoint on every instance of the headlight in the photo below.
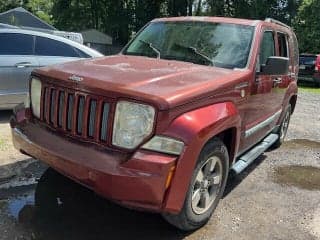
(165, 145)
(132, 124)
(35, 96)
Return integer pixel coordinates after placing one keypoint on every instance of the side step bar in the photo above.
(246, 159)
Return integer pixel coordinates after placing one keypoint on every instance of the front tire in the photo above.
(206, 188)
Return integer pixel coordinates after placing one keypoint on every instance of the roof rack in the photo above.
(271, 20)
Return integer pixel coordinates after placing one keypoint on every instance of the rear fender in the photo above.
(195, 129)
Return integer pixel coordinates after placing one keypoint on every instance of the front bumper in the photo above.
(138, 180)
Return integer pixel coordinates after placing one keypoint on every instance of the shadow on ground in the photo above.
(5, 116)
(62, 209)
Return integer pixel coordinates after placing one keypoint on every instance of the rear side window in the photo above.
(50, 47)
(267, 48)
(283, 45)
(16, 44)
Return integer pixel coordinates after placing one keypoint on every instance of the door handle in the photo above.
(277, 80)
(23, 64)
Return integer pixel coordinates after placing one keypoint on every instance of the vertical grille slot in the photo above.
(61, 107)
(52, 105)
(92, 117)
(70, 111)
(80, 114)
(104, 121)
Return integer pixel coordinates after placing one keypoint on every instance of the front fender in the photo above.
(195, 129)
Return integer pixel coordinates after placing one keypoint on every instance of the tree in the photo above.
(307, 26)
(40, 8)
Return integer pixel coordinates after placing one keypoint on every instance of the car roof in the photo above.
(209, 19)
(85, 49)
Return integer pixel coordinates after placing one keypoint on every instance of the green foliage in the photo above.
(307, 26)
(40, 8)
(121, 18)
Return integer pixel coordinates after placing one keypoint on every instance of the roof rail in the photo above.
(271, 20)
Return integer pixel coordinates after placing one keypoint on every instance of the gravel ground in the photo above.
(277, 197)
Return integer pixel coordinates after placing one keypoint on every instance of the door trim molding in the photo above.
(262, 124)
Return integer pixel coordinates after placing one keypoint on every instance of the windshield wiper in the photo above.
(150, 45)
(195, 51)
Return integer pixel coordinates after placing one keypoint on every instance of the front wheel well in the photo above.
(228, 137)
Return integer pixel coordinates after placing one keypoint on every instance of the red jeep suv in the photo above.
(159, 126)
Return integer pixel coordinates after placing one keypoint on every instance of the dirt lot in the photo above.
(278, 197)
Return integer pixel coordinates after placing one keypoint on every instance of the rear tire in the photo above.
(206, 188)
(283, 127)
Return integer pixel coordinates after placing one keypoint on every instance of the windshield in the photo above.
(213, 44)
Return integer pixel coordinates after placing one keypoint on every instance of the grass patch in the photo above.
(309, 89)
(3, 145)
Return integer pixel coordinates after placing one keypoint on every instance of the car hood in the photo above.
(164, 83)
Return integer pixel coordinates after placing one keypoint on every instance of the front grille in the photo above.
(76, 113)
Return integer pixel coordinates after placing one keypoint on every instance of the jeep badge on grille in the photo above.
(76, 78)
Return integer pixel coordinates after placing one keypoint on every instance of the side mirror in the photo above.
(275, 66)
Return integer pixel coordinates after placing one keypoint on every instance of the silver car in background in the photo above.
(23, 50)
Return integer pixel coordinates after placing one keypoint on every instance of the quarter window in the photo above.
(50, 47)
(16, 44)
(283, 45)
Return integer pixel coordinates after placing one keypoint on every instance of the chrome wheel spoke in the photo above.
(196, 197)
(200, 177)
(205, 199)
(209, 167)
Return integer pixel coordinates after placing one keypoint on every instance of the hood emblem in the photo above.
(75, 78)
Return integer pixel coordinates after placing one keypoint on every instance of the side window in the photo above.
(82, 54)
(50, 47)
(283, 45)
(267, 47)
(16, 44)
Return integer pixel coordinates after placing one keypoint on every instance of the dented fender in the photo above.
(195, 129)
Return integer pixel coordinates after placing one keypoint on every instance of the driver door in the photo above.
(263, 108)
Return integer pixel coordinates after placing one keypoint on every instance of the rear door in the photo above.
(17, 60)
(50, 51)
(281, 82)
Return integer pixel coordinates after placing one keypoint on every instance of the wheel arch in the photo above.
(196, 129)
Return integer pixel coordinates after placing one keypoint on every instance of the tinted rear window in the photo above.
(307, 60)
(50, 47)
(16, 44)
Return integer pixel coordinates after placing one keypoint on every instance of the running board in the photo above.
(246, 159)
